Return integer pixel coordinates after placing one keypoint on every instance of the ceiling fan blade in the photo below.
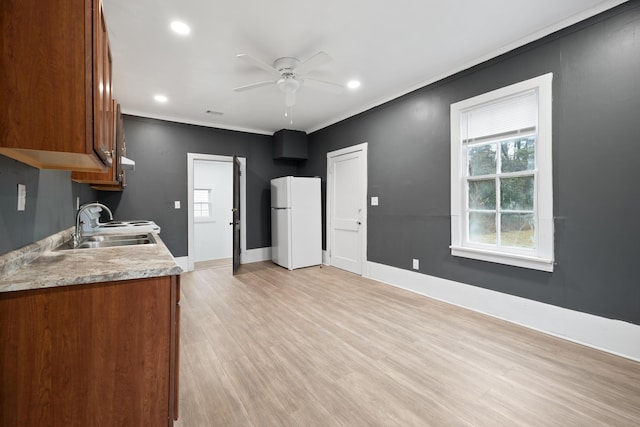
(257, 63)
(315, 61)
(290, 99)
(323, 85)
(253, 86)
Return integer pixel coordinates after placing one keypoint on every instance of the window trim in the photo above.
(542, 257)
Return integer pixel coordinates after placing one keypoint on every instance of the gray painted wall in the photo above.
(160, 149)
(596, 156)
(596, 152)
(50, 207)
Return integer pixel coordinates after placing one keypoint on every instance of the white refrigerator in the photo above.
(296, 229)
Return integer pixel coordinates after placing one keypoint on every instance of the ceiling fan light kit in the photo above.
(288, 84)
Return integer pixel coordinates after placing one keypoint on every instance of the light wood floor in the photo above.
(322, 347)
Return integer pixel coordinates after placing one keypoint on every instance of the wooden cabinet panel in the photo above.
(102, 96)
(174, 364)
(48, 85)
(114, 179)
(89, 355)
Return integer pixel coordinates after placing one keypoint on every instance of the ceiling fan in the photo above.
(289, 74)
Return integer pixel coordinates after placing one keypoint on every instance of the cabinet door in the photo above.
(48, 84)
(174, 361)
(114, 178)
(89, 355)
(102, 141)
(105, 113)
(121, 147)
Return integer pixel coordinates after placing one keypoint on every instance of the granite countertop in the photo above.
(39, 265)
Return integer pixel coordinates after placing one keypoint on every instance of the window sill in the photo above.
(516, 260)
(205, 220)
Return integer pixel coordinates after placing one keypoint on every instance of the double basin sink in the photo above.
(110, 241)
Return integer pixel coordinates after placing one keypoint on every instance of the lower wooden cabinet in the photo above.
(103, 354)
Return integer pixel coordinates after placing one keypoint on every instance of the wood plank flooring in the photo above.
(323, 347)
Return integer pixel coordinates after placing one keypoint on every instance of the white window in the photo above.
(202, 206)
(501, 183)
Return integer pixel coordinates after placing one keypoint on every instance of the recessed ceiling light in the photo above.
(353, 84)
(180, 27)
(160, 98)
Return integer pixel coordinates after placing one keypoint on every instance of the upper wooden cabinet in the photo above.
(56, 84)
(114, 179)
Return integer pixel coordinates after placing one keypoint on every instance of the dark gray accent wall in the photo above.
(596, 158)
(160, 149)
(50, 207)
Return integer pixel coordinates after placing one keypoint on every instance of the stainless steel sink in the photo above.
(111, 240)
(116, 237)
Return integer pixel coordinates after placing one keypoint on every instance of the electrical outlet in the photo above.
(374, 201)
(416, 264)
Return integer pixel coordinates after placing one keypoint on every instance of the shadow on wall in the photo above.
(50, 203)
(16, 227)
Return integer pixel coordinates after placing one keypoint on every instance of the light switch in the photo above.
(374, 201)
(22, 196)
(177, 204)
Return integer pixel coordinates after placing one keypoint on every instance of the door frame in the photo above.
(330, 156)
(236, 213)
(191, 157)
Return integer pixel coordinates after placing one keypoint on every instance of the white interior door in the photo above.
(346, 205)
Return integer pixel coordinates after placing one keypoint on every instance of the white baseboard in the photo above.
(613, 336)
(247, 257)
(325, 257)
(255, 255)
(264, 254)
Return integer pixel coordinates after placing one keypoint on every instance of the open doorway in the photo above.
(210, 198)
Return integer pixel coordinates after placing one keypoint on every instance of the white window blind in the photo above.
(202, 203)
(201, 196)
(510, 116)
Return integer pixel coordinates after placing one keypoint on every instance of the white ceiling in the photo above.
(391, 47)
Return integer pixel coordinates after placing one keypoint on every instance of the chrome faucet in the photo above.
(77, 235)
